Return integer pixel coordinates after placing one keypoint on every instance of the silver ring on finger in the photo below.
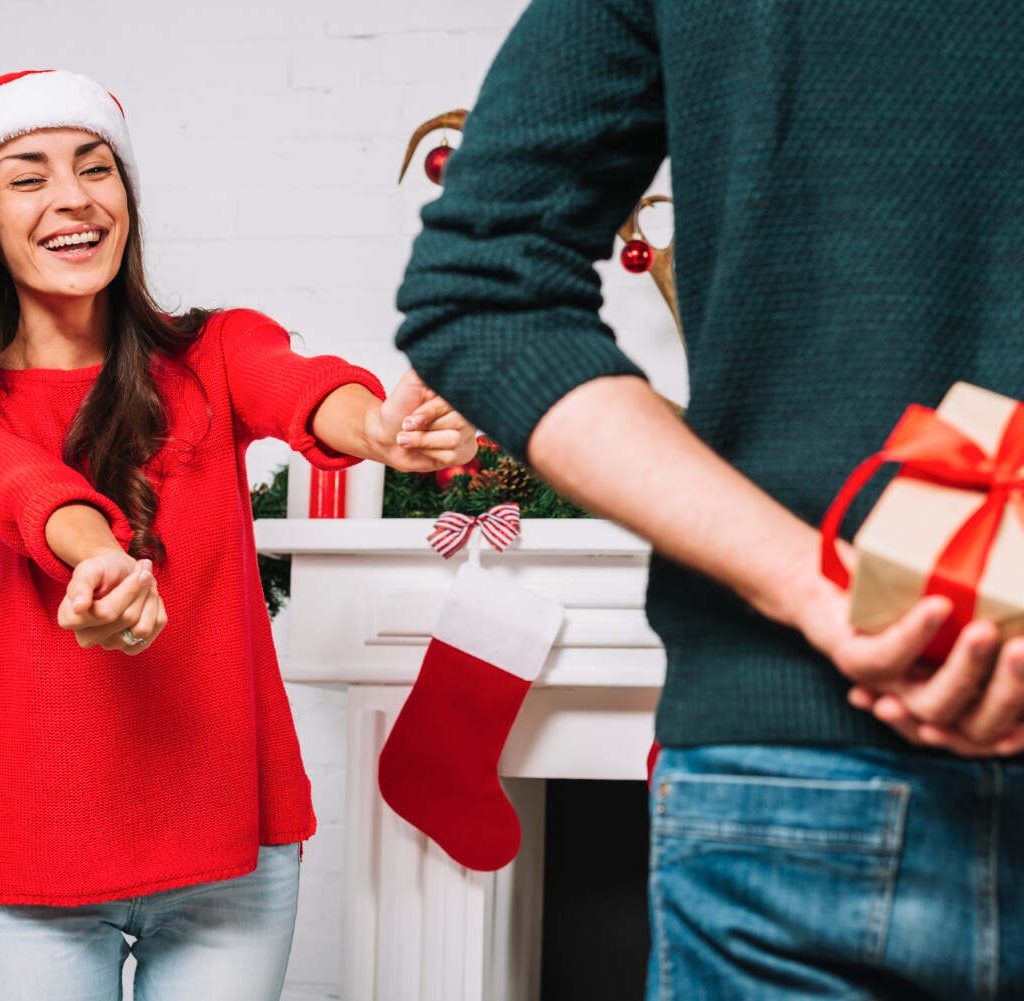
(130, 638)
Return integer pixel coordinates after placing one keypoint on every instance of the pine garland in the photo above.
(500, 479)
(270, 500)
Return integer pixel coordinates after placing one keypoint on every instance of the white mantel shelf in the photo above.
(367, 592)
(540, 537)
(365, 596)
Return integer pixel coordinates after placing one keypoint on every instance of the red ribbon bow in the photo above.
(500, 526)
(931, 449)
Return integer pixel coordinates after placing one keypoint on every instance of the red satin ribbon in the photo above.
(931, 449)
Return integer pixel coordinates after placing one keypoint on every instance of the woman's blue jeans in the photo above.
(227, 941)
(798, 873)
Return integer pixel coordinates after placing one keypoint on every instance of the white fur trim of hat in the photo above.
(53, 99)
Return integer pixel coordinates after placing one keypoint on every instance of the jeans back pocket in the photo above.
(792, 877)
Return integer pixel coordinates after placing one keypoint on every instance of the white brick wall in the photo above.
(269, 136)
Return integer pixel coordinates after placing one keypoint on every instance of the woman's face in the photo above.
(63, 213)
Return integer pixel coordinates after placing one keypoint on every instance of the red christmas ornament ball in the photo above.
(443, 477)
(637, 257)
(435, 161)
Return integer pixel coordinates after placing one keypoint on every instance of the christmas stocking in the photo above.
(439, 766)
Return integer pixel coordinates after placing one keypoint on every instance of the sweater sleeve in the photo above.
(500, 295)
(275, 392)
(33, 484)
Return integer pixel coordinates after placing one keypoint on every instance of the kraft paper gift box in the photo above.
(951, 522)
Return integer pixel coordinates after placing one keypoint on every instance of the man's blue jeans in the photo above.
(223, 941)
(797, 873)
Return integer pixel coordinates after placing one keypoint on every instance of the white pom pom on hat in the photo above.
(53, 99)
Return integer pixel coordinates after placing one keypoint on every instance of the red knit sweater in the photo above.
(122, 776)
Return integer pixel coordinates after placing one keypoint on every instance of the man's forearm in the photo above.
(77, 531)
(614, 446)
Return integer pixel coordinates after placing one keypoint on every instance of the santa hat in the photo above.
(52, 99)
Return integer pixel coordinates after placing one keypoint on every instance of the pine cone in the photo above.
(484, 479)
(514, 479)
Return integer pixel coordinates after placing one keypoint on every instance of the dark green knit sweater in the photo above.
(849, 202)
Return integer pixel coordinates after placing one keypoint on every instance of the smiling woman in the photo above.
(69, 233)
(173, 795)
(80, 242)
(55, 157)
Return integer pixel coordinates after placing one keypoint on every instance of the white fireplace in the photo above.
(365, 594)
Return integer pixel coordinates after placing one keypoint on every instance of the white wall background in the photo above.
(269, 136)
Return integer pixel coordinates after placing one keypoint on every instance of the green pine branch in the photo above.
(417, 495)
(270, 500)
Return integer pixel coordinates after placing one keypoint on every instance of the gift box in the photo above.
(951, 522)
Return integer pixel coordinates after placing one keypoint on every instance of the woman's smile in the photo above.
(75, 244)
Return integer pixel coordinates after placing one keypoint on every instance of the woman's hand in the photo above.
(416, 431)
(112, 601)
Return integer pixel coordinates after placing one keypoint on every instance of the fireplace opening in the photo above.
(595, 928)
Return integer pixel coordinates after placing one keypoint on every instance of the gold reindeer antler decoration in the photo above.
(661, 269)
(664, 257)
(662, 266)
(449, 120)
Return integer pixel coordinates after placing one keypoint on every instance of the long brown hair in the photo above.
(122, 423)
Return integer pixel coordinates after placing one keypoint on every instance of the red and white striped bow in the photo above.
(451, 531)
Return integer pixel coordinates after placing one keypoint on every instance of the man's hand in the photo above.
(992, 719)
(972, 704)
(414, 430)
